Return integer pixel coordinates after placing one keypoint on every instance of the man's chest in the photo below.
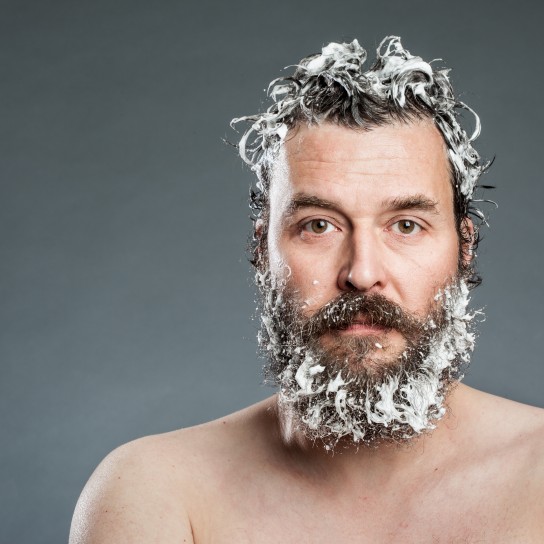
(325, 528)
(450, 514)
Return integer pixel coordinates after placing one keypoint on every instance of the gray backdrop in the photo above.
(126, 298)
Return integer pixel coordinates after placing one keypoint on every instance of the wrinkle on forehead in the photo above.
(382, 152)
(303, 134)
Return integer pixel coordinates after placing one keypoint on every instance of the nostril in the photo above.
(350, 286)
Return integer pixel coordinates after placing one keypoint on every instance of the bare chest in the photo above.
(455, 512)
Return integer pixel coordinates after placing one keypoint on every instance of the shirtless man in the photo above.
(363, 246)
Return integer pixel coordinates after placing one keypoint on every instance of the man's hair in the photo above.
(332, 87)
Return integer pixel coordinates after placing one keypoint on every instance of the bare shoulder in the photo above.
(513, 434)
(129, 498)
(503, 424)
(149, 489)
(505, 417)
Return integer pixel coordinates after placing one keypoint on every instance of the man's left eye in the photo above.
(406, 227)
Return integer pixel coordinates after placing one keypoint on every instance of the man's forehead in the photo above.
(411, 152)
(318, 140)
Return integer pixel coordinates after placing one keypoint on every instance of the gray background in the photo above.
(125, 295)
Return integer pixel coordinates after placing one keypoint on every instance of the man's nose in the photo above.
(363, 267)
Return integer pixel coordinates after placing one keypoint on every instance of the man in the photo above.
(363, 246)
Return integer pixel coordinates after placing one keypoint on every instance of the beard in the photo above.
(359, 389)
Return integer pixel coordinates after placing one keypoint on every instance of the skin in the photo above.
(477, 478)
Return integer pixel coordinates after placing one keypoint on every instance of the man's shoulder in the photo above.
(127, 493)
(513, 416)
(500, 421)
(524, 429)
(508, 435)
(136, 488)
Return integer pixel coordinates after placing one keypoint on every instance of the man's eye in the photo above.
(318, 226)
(406, 226)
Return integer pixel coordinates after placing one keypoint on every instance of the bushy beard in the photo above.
(348, 388)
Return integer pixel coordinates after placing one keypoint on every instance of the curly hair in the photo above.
(333, 87)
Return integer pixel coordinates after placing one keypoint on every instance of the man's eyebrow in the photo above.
(303, 200)
(411, 202)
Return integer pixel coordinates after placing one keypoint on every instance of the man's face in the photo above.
(364, 213)
(367, 211)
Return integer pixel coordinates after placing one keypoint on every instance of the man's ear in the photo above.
(258, 228)
(259, 242)
(468, 239)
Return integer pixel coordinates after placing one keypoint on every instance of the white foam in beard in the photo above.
(404, 404)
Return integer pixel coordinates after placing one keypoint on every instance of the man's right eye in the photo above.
(318, 226)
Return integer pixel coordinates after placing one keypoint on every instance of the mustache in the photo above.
(352, 306)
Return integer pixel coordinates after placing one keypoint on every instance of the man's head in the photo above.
(333, 87)
(363, 242)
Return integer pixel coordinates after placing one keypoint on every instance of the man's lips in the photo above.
(363, 326)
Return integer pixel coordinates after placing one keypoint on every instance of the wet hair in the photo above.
(333, 87)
